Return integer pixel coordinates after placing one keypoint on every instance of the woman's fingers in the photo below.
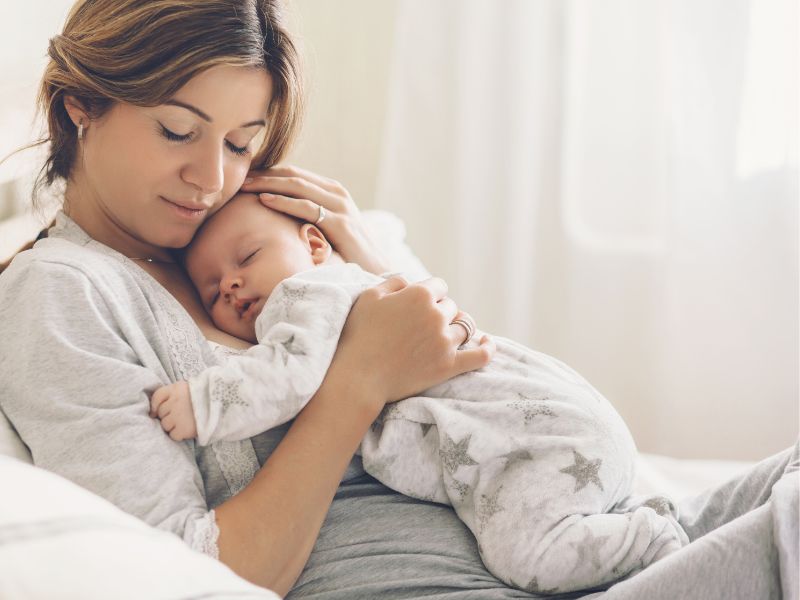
(471, 359)
(325, 183)
(436, 286)
(296, 187)
(462, 327)
(300, 193)
(423, 343)
(448, 308)
(395, 283)
(297, 207)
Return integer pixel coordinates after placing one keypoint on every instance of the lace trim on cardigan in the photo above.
(206, 535)
(238, 463)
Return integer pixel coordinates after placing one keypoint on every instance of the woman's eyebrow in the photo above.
(205, 117)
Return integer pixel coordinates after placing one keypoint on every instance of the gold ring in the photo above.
(469, 329)
(321, 216)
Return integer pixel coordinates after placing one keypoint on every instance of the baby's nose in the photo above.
(229, 284)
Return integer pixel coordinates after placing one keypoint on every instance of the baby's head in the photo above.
(241, 253)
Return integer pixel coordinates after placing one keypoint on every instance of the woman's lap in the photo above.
(377, 543)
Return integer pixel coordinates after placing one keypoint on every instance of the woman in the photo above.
(157, 112)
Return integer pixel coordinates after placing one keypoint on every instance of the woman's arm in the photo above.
(397, 342)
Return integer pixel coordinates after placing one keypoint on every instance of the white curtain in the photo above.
(615, 183)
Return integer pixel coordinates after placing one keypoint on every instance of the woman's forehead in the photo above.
(236, 96)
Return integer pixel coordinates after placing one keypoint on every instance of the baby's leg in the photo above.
(542, 526)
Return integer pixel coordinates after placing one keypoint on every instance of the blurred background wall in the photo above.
(614, 183)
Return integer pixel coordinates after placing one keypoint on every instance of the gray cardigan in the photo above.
(85, 336)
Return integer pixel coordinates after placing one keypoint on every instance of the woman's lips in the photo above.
(189, 212)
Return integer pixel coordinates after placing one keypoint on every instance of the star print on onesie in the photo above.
(530, 412)
(589, 548)
(227, 393)
(454, 454)
(488, 506)
(291, 295)
(584, 471)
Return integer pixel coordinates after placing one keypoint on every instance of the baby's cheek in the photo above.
(220, 317)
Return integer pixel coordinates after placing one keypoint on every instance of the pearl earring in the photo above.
(80, 131)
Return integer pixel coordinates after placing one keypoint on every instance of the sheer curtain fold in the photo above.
(592, 179)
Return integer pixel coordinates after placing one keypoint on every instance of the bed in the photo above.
(50, 525)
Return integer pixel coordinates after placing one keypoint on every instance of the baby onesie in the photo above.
(536, 462)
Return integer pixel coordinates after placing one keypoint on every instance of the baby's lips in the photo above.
(245, 306)
(242, 304)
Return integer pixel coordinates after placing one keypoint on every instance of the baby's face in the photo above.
(241, 254)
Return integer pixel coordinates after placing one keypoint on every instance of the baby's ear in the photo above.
(318, 246)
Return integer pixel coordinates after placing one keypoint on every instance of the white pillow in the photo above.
(389, 232)
(59, 541)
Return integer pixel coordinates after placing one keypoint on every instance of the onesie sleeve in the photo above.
(75, 388)
(266, 386)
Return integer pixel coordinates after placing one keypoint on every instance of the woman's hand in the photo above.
(300, 193)
(400, 339)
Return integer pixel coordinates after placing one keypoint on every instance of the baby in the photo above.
(532, 458)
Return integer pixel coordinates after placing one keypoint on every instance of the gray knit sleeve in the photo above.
(76, 378)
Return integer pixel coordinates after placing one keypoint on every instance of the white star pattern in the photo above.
(532, 408)
(392, 411)
(488, 506)
(584, 471)
(291, 294)
(291, 348)
(589, 548)
(454, 454)
(460, 487)
(661, 505)
(227, 393)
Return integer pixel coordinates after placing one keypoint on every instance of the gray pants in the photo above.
(744, 541)
(376, 543)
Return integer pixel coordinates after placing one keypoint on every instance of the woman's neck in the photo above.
(83, 206)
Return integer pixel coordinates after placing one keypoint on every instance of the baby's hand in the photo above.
(172, 405)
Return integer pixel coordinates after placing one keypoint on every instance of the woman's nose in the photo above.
(205, 171)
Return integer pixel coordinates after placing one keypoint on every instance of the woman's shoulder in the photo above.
(62, 263)
(59, 278)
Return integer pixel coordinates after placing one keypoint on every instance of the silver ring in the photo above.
(321, 216)
(469, 329)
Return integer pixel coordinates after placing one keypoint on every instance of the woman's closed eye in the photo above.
(187, 137)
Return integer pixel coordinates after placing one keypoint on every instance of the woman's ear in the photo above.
(318, 246)
(76, 111)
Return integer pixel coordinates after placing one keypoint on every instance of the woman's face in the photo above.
(148, 177)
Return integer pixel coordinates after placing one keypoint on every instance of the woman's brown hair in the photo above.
(143, 51)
